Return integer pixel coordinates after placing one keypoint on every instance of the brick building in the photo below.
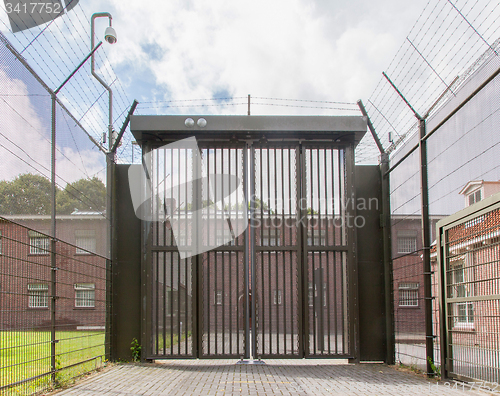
(472, 269)
(25, 263)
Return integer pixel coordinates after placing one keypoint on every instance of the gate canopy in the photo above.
(160, 128)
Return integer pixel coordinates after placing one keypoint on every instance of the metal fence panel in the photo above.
(55, 266)
(469, 267)
(45, 323)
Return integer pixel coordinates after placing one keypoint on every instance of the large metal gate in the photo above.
(279, 289)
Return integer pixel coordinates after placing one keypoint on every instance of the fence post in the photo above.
(426, 242)
(53, 266)
(426, 238)
(385, 223)
(386, 231)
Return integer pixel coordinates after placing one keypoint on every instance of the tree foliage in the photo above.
(87, 195)
(30, 194)
(26, 194)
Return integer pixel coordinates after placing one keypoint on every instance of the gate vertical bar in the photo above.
(352, 262)
(146, 264)
(442, 251)
(246, 258)
(302, 268)
(197, 274)
(252, 248)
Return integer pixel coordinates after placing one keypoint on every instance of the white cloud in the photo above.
(288, 49)
(25, 137)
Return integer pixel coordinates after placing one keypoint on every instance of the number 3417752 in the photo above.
(33, 8)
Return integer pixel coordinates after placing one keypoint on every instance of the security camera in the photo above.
(110, 35)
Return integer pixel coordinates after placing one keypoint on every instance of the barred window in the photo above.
(86, 241)
(271, 237)
(85, 295)
(39, 243)
(38, 295)
(408, 294)
(407, 241)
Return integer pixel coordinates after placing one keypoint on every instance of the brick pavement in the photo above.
(276, 377)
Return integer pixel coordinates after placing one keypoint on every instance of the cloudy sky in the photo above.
(294, 49)
(315, 51)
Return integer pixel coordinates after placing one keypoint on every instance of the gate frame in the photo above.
(482, 207)
(342, 132)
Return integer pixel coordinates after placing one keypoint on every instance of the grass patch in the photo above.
(26, 354)
(170, 340)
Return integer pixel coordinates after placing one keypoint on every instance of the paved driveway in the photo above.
(276, 377)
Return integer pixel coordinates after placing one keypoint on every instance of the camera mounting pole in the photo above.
(92, 68)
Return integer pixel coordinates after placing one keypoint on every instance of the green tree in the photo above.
(83, 195)
(259, 203)
(26, 194)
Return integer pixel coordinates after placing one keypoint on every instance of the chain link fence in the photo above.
(54, 254)
(436, 113)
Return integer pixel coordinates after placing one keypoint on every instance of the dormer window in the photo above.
(475, 196)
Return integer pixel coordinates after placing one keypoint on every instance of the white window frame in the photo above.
(311, 294)
(475, 196)
(222, 237)
(218, 297)
(461, 287)
(39, 243)
(314, 235)
(408, 294)
(277, 297)
(271, 237)
(84, 295)
(181, 238)
(86, 241)
(38, 295)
